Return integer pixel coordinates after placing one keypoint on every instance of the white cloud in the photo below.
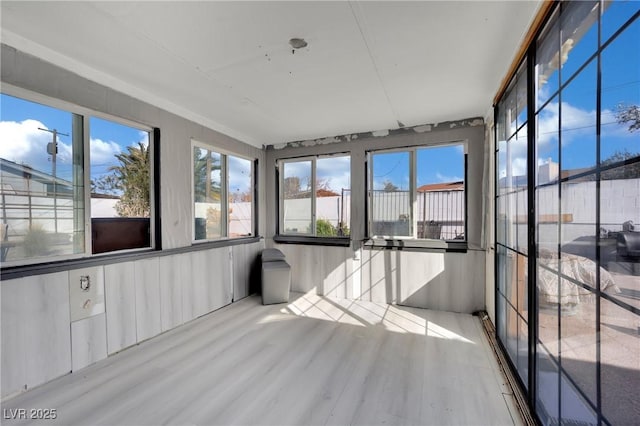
(519, 166)
(518, 153)
(144, 138)
(543, 161)
(24, 143)
(576, 124)
(543, 93)
(443, 178)
(336, 182)
(548, 124)
(336, 171)
(103, 152)
(300, 169)
(574, 118)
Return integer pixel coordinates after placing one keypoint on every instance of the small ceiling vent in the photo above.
(298, 43)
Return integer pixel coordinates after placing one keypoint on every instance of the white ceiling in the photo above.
(228, 65)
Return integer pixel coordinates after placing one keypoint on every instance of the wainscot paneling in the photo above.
(147, 285)
(171, 281)
(88, 341)
(120, 295)
(36, 337)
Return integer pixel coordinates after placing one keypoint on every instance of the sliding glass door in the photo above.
(512, 224)
(568, 314)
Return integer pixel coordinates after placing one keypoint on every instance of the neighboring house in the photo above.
(444, 186)
(29, 196)
(22, 178)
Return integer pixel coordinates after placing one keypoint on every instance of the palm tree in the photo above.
(206, 188)
(133, 179)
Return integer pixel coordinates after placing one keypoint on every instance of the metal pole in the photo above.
(53, 151)
(424, 214)
(30, 203)
(341, 223)
(55, 187)
(207, 182)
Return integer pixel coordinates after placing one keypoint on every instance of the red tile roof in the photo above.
(326, 193)
(445, 186)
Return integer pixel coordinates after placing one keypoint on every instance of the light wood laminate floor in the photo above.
(314, 361)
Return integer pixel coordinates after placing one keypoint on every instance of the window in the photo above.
(512, 219)
(222, 195)
(418, 193)
(120, 175)
(239, 219)
(52, 206)
(567, 280)
(315, 197)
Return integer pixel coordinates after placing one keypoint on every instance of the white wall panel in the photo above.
(379, 275)
(13, 344)
(120, 295)
(171, 280)
(88, 341)
(188, 287)
(337, 269)
(147, 285)
(442, 281)
(36, 338)
(245, 257)
(327, 270)
(89, 301)
(211, 276)
(220, 287)
(305, 270)
(46, 320)
(201, 276)
(240, 271)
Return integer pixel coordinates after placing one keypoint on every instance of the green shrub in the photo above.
(343, 230)
(324, 228)
(36, 241)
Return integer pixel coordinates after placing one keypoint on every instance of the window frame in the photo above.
(312, 237)
(152, 174)
(383, 240)
(281, 165)
(224, 188)
(541, 349)
(86, 114)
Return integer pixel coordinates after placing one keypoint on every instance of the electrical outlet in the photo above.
(85, 282)
(86, 292)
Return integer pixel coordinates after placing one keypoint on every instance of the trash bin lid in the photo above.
(272, 255)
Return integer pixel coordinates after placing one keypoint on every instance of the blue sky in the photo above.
(107, 138)
(433, 165)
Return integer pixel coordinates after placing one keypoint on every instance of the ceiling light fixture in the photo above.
(297, 43)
